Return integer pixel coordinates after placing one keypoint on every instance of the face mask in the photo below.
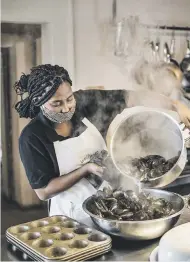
(57, 117)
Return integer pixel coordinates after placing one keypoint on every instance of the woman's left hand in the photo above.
(184, 113)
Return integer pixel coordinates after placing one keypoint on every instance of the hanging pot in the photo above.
(172, 65)
(185, 67)
(185, 63)
(186, 82)
(168, 56)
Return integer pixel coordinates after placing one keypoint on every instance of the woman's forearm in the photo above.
(61, 183)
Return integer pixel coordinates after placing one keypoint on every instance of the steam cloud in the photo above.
(145, 73)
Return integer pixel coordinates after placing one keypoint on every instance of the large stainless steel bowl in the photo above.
(140, 230)
(147, 131)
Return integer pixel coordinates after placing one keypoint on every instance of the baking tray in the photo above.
(58, 238)
(18, 244)
(21, 246)
(26, 253)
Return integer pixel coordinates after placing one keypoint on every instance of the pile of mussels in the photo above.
(151, 166)
(127, 206)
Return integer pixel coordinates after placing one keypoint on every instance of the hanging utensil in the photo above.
(168, 56)
(172, 64)
(114, 11)
(166, 53)
(172, 47)
(157, 46)
(185, 63)
(186, 82)
(118, 39)
(185, 67)
(172, 50)
(153, 49)
(157, 49)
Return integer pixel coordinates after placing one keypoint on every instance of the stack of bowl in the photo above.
(174, 245)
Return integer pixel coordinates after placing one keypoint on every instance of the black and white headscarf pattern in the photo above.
(36, 88)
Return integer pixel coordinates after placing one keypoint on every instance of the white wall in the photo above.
(92, 68)
(57, 34)
(81, 55)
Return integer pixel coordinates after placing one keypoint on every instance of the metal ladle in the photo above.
(157, 47)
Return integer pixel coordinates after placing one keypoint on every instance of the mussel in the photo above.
(151, 166)
(128, 206)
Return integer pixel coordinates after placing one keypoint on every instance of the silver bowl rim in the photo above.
(157, 112)
(137, 221)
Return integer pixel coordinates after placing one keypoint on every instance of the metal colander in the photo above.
(145, 131)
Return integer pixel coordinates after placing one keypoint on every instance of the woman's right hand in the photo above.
(94, 169)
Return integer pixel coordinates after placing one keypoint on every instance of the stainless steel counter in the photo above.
(122, 250)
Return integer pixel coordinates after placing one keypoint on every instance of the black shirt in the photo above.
(36, 141)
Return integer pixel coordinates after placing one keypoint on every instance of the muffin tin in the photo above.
(58, 238)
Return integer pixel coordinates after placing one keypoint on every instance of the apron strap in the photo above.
(87, 122)
(94, 129)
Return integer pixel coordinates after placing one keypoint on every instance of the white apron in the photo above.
(72, 154)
